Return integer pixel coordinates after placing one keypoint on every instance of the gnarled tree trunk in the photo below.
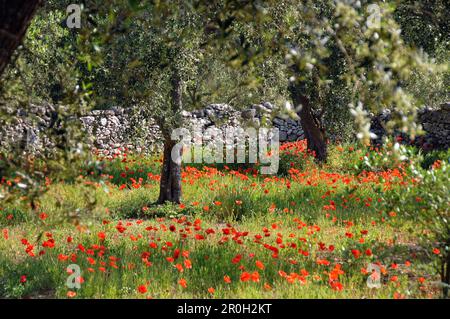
(170, 183)
(15, 17)
(314, 132)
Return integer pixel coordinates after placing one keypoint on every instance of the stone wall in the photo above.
(435, 123)
(110, 129)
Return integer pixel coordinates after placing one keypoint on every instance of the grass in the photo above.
(308, 234)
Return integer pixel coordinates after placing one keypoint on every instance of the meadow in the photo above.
(309, 232)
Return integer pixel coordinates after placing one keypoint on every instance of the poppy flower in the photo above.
(187, 264)
(211, 290)
(267, 286)
(255, 276)
(142, 289)
(356, 253)
(236, 259)
(260, 265)
(245, 276)
(182, 282)
(436, 251)
(227, 279)
(179, 267)
(71, 294)
(23, 279)
(336, 285)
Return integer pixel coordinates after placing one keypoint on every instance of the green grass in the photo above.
(296, 212)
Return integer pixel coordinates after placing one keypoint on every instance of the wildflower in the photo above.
(236, 259)
(227, 279)
(245, 276)
(260, 265)
(71, 294)
(142, 289)
(187, 264)
(23, 279)
(101, 236)
(182, 282)
(356, 253)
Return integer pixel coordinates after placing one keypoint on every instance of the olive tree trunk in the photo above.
(15, 17)
(170, 183)
(314, 132)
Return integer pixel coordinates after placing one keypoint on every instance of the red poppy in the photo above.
(142, 289)
(183, 282)
(245, 276)
(187, 264)
(260, 265)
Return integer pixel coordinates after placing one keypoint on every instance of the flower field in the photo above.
(312, 232)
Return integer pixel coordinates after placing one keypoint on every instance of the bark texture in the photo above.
(314, 131)
(15, 17)
(170, 183)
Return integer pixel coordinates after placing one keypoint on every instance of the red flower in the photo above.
(356, 253)
(188, 264)
(101, 235)
(236, 259)
(71, 294)
(255, 276)
(183, 282)
(260, 265)
(227, 279)
(142, 289)
(23, 279)
(179, 267)
(211, 290)
(322, 262)
(336, 285)
(436, 251)
(245, 276)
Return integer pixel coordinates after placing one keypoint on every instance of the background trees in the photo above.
(162, 57)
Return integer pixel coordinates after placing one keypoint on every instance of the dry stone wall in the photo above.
(110, 129)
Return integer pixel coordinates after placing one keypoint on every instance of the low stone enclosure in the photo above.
(110, 129)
